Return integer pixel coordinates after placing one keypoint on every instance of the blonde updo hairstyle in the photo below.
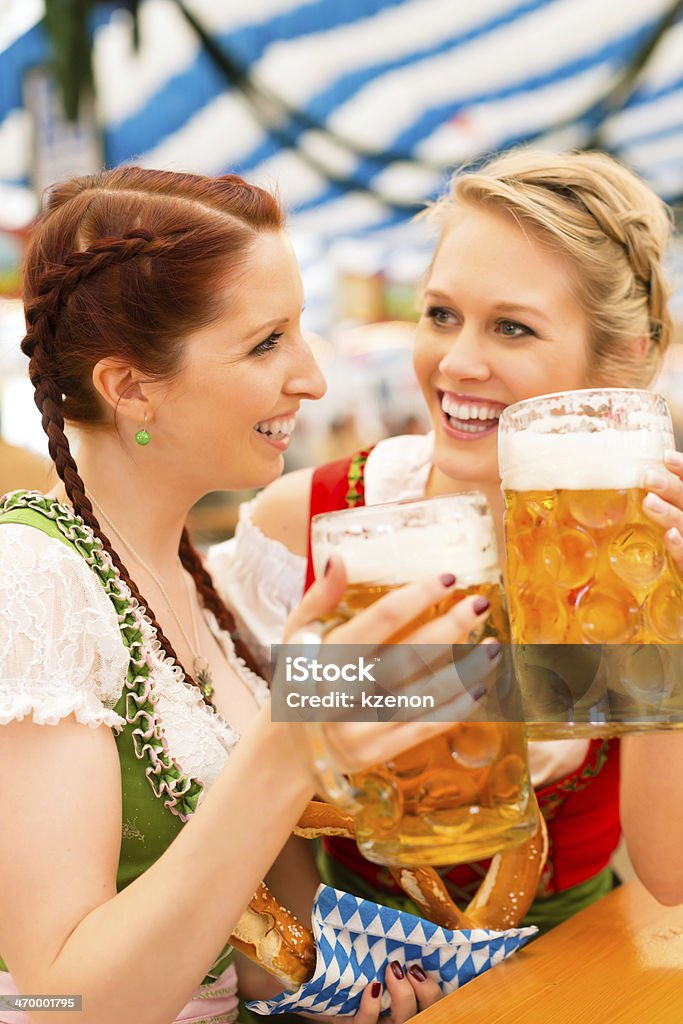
(612, 229)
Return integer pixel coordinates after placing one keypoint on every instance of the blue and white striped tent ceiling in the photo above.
(356, 108)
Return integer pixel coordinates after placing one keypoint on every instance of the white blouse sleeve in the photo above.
(61, 650)
(260, 580)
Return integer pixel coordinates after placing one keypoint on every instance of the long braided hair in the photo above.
(126, 263)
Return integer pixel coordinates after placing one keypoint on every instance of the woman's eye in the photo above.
(511, 329)
(441, 316)
(267, 345)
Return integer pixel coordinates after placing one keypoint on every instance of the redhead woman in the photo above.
(163, 324)
(547, 277)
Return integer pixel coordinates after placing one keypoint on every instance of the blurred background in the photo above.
(356, 111)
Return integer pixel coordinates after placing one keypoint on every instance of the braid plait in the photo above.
(645, 250)
(627, 228)
(58, 284)
(643, 238)
(49, 401)
(192, 561)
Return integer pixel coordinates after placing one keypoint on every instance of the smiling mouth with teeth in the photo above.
(277, 428)
(470, 417)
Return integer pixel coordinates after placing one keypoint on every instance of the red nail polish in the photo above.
(447, 580)
(481, 605)
(397, 970)
(417, 973)
(375, 990)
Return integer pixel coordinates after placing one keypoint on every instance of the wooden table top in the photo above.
(619, 961)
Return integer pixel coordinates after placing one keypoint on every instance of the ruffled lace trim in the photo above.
(60, 647)
(260, 580)
(180, 792)
(87, 709)
(268, 556)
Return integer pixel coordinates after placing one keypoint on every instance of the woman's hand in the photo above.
(411, 992)
(392, 613)
(359, 745)
(664, 503)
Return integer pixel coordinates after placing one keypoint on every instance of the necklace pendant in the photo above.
(203, 676)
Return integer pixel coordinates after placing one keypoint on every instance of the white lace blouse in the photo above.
(262, 581)
(61, 653)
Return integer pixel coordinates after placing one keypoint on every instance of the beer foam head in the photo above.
(556, 453)
(434, 537)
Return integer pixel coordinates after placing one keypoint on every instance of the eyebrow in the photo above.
(263, 330)
(519, 307)
(502, 307)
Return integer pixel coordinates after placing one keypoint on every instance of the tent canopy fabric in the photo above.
(356, 110)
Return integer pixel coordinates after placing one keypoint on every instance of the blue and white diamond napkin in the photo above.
(356, 939)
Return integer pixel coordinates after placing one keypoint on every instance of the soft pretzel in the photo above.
(323, 819)
(508, 890)
(501, 901)
(271, 936)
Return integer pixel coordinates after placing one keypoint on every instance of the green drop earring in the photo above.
(143, 436)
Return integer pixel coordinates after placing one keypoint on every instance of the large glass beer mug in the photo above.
(596, 606)
(465, 795)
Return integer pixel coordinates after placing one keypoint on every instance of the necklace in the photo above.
(200, 665)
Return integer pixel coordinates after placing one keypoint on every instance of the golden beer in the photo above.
(465, 795)
(586, 566)
(461, 797)
(359, 596)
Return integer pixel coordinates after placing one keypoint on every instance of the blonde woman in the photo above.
(547, 276)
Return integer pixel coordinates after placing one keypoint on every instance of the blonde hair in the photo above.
(611, 227)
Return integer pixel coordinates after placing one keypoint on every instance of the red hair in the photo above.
(127, 263)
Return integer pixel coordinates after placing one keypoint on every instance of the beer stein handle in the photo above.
(334, 786)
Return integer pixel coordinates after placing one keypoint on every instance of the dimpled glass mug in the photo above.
(465, 795)
(596, 606)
